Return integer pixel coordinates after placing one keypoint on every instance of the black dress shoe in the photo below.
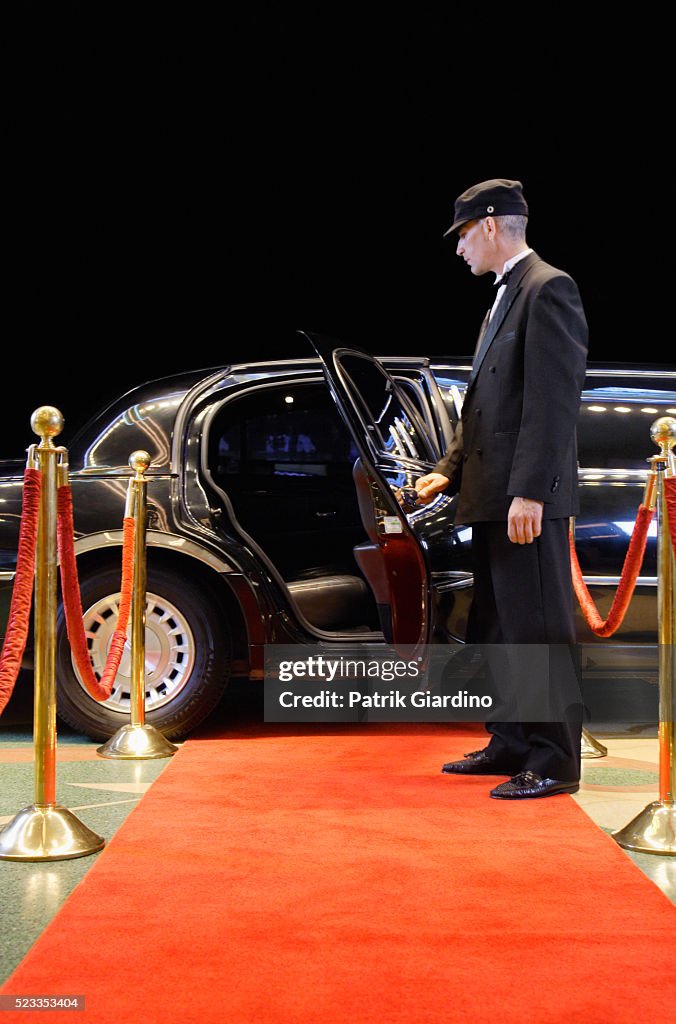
(476, 763)
(528, 785)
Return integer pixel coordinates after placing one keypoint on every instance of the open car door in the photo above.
(393, 451)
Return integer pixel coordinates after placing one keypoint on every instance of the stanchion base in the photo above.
(591, 747)
(47, 832)
(137, 743)
(651, 831)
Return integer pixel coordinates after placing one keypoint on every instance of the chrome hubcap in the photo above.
(169, 655)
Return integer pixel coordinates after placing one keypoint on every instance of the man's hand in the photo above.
(524, 521)
(431, 485)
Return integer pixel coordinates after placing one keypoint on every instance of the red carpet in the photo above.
(309, 873)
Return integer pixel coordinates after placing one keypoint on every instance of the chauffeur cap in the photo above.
(494, 198)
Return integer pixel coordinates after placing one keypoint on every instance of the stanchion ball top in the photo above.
(139, 461)
(47, 421)
(663, 431)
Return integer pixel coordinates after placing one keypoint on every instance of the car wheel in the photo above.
(187, 655)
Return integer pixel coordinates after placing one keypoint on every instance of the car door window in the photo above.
(389, 416)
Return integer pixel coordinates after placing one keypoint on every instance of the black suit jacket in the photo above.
(516, 436)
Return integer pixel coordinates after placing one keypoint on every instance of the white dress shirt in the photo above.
(508, 266)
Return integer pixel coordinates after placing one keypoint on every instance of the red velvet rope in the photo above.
(22, 593)
(99, 689)
(627, 584)
(670, 495)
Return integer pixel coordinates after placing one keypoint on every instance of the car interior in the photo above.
(285, 459)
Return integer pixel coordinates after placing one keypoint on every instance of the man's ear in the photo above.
(489, 227)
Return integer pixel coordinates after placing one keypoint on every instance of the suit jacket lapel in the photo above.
(491, 327)
(484, 326)
(495, 323)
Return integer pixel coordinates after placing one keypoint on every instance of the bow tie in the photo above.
(503, 280)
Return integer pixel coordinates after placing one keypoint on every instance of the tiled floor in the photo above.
(619, 786)
(102, 792)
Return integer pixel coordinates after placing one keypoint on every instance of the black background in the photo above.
(185, 193)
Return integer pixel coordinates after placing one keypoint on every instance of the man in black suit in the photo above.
(515, 454)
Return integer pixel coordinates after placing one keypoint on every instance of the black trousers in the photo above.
(523, 595)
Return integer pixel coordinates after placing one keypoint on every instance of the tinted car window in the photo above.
(288, 431)
(390, 417)
(614, 423)
(413, 394)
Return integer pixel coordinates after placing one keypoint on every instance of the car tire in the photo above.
(187, 655)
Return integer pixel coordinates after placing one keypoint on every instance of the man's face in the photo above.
(473, 246)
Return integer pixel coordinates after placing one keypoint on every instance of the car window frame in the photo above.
(364, 416)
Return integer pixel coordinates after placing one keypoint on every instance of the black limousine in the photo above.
(277, 514)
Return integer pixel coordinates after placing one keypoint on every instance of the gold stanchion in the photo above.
(45, 830)
(654, 829)
(591, 747)
(138, 740)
